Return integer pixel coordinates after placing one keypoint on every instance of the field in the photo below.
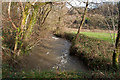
(100, 35)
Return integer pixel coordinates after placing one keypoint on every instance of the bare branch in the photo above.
(74, 8)
(14, 26)
(22, 6)
(47, 14)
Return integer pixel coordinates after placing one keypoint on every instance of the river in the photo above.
(52, 53)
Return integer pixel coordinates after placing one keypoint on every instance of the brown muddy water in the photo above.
(51, 54)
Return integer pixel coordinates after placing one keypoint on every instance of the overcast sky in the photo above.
(78, 3)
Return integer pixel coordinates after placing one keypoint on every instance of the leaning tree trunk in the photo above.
(82, 22)
(117, 45)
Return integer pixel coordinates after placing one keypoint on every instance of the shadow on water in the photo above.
(53, 54)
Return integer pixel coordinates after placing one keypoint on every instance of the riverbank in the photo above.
(9, 73)
(50, 55)
(95, 53)
(84, 50)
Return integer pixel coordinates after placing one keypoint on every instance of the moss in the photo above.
(115, 60)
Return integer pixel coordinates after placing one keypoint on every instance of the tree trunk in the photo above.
(117, 45)
(82, 22)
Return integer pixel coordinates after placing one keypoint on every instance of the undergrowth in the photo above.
(95, 53)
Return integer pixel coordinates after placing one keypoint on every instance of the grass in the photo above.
(96, 53)
(102, 36)
(95, 50)
(9, 72)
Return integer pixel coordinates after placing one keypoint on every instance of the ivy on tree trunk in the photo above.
(117, 45)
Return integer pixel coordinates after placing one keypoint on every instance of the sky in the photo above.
(77, 3)
(57, 0)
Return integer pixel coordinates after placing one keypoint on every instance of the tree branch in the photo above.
(14, 26)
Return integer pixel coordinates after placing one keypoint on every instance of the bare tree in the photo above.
(117, 45)
(21, 33)
(82, 22)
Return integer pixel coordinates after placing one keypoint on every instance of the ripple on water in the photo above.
(55, 56)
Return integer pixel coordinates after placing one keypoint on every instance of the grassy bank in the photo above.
(96, 53)
(102, 36)
(9, 72)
